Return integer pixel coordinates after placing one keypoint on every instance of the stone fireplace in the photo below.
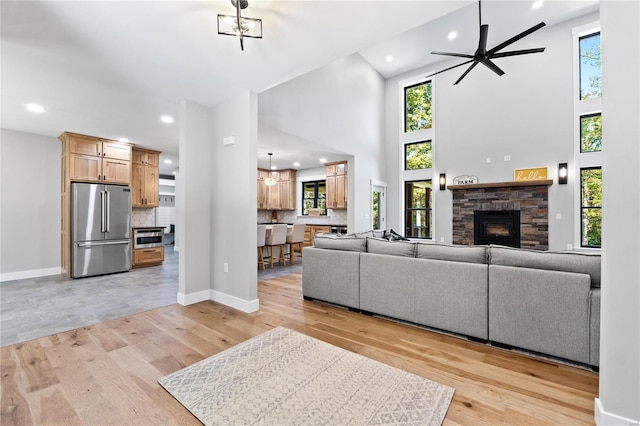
(507, 213)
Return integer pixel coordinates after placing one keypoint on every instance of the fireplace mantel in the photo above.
(500, 184)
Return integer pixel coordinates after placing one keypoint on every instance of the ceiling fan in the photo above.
(484, 56)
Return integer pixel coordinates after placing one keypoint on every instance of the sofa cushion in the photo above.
(394, 248)
(454, 253)
(336, 242)
(584, 263)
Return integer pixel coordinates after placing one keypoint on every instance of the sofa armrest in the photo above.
(332, 276)
(540, 310)
(594, 325)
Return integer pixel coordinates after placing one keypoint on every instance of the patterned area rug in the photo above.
(282, 377)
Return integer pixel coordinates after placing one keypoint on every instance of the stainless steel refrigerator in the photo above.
(100, 229)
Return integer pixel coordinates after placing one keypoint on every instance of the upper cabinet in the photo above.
(145, 178)
(337, 183)
(282, 195)
(91, 159)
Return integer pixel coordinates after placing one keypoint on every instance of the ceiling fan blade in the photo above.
(450, 68)
(482, 43)
(459, 55)
(465, 73)
(493, 67)
(516, 38)
(517, 52)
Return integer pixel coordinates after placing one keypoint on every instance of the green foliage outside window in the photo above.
(590, 67)
(418, 219)
(418, 156)
(591, 205)
(418, 107)
(314, 196)
(591, 133)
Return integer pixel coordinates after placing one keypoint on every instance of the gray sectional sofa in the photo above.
(544, 302)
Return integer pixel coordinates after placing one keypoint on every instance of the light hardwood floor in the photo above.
(107, 373)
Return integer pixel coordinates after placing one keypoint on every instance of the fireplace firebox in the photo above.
(497, 227)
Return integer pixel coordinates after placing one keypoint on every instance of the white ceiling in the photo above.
(112, 68)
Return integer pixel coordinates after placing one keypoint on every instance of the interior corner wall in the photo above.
(526, 114)
(194, 208)
(29, 205)
(233, 202)
(340, 106)
(618, 401)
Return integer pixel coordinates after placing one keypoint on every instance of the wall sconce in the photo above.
(443, 181)
(563, 173)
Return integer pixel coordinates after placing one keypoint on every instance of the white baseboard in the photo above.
(191, 298)
(247, 306)
(34, 273)
(603, 418)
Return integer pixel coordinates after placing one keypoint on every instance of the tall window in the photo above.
(417, 156)
(417, 107)
(418, 206)
(314, 196)
(590, 66)
(588, 135)
(591, 206)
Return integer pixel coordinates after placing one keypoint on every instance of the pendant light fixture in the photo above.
(270, 180)
(238, 25)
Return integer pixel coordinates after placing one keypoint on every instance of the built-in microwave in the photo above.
(145, 238)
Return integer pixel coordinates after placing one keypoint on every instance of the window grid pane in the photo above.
(591, 133)
(590, 67)
(417, 107)
(418, 214)
(591, 207)
(418, 156)
(314, 196)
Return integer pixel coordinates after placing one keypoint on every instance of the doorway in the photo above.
(378, 205)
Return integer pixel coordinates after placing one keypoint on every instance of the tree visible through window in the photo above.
(417, 107)
(590, 67)
(418, 156)
(418, 219)
(314, 195)
(591, 206)
(591, 133)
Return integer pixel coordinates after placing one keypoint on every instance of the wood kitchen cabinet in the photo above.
(147, 257)
(91, 159)
(282, 195)
(145, 178)
(311, 230)
(336, 184)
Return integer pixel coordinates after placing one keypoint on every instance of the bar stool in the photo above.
(295, 237)
(278, 237)
(262, 232)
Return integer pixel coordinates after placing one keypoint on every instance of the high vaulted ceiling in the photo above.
(112, 68)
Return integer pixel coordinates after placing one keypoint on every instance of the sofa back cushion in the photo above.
(454, 253)
(336, 242)
(583, 263)
(394, 248)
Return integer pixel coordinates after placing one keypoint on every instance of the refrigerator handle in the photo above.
(102, 212)
(108, 209)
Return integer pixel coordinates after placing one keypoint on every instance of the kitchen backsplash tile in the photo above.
(143, 216)
(335, 217)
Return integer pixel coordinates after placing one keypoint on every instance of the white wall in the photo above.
(30, 205)
(526, 114)
(193, 203)
(340, 106)
(233, 202)
(619, 399)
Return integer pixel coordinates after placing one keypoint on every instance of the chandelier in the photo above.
(270, 180)
(239, 26)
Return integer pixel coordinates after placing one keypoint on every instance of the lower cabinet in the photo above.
(147, 257)
(311, 230)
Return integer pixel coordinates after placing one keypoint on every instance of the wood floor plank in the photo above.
(108, 373)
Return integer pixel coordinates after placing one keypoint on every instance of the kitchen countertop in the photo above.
(310, 224)
(148, 227)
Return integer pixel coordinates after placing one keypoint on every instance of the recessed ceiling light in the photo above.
(123, 139)
(537, 4)
(167, 161)
(296, 164)
(274, 167)
(452, 35)
(166, 119)
(173, 173)
(388, 58)
(323, 160)
(35, 108)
